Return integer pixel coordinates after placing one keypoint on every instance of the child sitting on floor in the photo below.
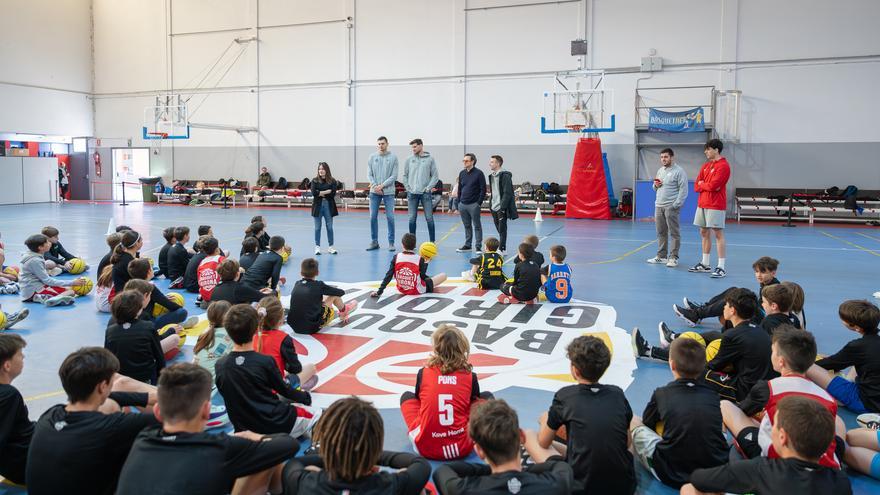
(140, 269)
(272, 341)
(17, 428)
(526, 279)
(213, 343)
(536, 256)
(57, 256)
(257, 398)
(487, 268)
(557, 283)
(250, 248)
(436, 415)
(593, 420)
(230, 289)
(863, 394)
(206, 274)
(168, 234)
(410, 271)
(178, 257)
(350, 434)
(266, 270)
(313, 304)
(134, 340)
(494, 427)
(36, 284)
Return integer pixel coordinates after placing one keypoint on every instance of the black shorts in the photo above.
(721, 383)
(491, 283)
(747, 440)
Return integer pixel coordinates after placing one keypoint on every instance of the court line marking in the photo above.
(624, 255)
(870, 251)
(44, 396)
(868, 236)
(540, 239)
(449, 232)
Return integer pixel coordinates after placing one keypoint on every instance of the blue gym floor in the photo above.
(832, 263)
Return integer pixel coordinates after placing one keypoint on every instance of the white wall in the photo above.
(46, 74)
(470, 74)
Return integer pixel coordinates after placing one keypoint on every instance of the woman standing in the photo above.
(324, 205)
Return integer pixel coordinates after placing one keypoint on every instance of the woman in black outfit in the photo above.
(324, 205)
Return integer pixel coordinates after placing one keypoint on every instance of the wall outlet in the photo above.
(652, 64)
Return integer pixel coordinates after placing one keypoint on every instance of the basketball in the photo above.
(712, 349)
(2, 320)
(428, 250)
(174, 297)
(82, 286)
(285, 256)
(152, 262)
(77, 266)
(693, 335)
(12, 270)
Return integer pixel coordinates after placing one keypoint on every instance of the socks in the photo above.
(721, 263)
(705, 259)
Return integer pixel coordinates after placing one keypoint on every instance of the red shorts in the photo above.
(50, 291)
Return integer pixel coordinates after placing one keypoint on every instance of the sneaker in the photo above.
(503, 253)
(317, 250)
(10, 288)
(59, 301)
(877, 294)
(656, 260)
(190, 322)
(392, 248)
(345, 313)
(699, 268)
(13, 318)
(468, 275)
(666, 335)
(314, 449)
(718, 273)
(478, 251)
(688, 315)
(310, 384)
(332, 250)
(640, 346)
(373, 246)
(55, 272)
(463, 249)
(218, 417)
(869, 420)
(672, 263)
(690, 304)
(176, 284)
(525, 459)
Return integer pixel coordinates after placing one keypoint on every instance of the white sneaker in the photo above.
(468, 275)
(672, 262)
(332, 250)
(877, 294)
(656, 260)
(317, 250)
(869, 420)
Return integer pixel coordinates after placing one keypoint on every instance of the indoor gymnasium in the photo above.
(439, 246)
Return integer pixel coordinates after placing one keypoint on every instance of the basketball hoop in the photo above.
(156, 139)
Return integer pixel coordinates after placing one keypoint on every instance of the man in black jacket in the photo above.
(502, 203)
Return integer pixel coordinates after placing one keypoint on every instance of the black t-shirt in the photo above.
(538, 258)
(747, 348)
(163, 259)
(526, 280)
(197, 463)
(692, 436)
(137, 348)
(771, 322)
(16, 431)
(105, 261)
(266, 270)
(596, 418)
(178, 257)
(157, 297)
(191, 276)
(298, 480)
(81, 452)
(465, 478)
(236, 293)
(246, 381)
(246, 260)
(863, 355)
(763, 476)
(306, 304)
(120, 271)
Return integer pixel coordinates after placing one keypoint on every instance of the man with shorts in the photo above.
(670, 184)
(382, 172)
(711, 183)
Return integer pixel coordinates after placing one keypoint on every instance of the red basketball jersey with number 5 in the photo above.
(444, 413)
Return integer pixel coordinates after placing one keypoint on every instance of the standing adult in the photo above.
(63, 181)
(324, 205)
(382, 173)
(711, 183)
(471, 192)
(670, 184)
(501, 204)
(419, 176)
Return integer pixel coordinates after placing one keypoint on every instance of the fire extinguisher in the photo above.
(97, 164)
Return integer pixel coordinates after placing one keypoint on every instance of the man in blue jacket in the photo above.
(419, 176)
(471, 192)
(382, 173)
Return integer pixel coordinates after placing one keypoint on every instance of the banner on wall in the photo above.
(687, 121)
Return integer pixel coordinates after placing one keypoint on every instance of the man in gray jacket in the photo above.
(671, 185)
(382, 173)
(419, 176)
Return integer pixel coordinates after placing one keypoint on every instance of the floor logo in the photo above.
(377, 353)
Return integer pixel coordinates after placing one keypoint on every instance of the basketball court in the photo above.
(202, 97)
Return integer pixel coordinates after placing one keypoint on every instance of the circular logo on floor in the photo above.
(378, 352)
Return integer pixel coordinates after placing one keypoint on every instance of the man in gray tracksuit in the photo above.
(382, 173)
(419, 176)
(671, 185)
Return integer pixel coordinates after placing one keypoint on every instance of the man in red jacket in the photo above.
(711, 184)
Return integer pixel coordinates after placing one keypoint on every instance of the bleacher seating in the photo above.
(807, 205)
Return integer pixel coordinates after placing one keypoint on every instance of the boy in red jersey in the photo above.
(207, 271)
(437, 413)
(410, 271)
